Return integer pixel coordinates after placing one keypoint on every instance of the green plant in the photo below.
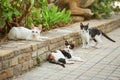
(18, 13)
(52, 16)
(38, 59)
(102, 8)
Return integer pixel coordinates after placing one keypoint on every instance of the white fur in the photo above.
(17, 33)
(74, 58)
(99, 41)
(57, 55)
(86, 39)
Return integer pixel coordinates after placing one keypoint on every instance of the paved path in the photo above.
(99, 64)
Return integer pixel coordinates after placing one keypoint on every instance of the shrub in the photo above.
(102, 8)
(52, 16)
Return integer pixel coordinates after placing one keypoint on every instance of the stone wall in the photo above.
(18, 57)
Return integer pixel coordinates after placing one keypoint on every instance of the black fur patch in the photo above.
(62, 60)
(93, 32)
(66, 54)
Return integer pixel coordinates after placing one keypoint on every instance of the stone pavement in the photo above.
(99, 64)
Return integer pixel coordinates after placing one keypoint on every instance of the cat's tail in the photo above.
(52, 60)
(107, 37)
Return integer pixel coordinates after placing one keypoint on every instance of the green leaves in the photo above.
(53, 16)
(26, 12)
(102, 8)
(7, 11)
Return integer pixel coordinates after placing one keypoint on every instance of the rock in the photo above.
(86, 3)
(78, 18)
(75, 7)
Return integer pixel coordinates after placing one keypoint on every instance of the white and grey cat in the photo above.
(91, 33)
(17, 33)
(65, 56)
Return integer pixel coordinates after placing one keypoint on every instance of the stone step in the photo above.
(18, 57)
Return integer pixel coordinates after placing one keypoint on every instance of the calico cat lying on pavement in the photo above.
(65, 56)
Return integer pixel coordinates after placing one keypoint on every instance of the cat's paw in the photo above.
(97, 47)
(40, 40)
(70, 62)
(81, 60)
(46, 37)
(87, 47)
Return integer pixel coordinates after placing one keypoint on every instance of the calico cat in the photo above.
(65, 56)
(26, 34)
(91, 33)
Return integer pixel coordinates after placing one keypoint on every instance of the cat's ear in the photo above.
(88, 24)
(32, 26)
(81, 25)
(66, 43)
(73, 42)
(40, 27)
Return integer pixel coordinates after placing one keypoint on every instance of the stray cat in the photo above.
(17, 33)
(65, 56)
(91, 33)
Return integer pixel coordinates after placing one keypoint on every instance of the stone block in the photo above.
(14, 61)
(21, 59)
(24, 57)
(34, 61)
(9, 72)
(34, 54)
(34, 47)
(54, 40)
(66, 37)
(3, 75)
(42, 50)
(5, 64)
(25, 66)
(6, 54)
(26, 49)
(27, 56)
(43, 57)
(17, 70)
(44, 43)
(30, 64)
(17, 52)
(56, 45)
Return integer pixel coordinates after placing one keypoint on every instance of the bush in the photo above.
(102, 8)
(52, 16)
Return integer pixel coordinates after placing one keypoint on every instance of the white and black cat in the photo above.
(91, 33)
(65, 56)
(17, 33)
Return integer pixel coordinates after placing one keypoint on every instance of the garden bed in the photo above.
(18, 57)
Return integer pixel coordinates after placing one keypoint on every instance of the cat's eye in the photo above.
(32, 31)
(36, 32)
